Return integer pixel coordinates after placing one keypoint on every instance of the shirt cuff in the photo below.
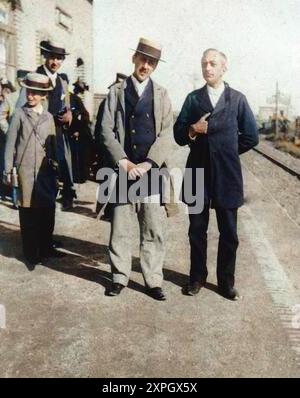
(192, 138)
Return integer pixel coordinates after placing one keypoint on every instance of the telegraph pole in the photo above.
(276, 111)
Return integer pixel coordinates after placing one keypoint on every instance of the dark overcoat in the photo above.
(232, 130)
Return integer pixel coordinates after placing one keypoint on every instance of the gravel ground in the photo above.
(282, 186)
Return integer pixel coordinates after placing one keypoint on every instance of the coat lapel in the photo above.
(157, 98)
(121, 95)
(220, 104)
(204, 101)
(224, 99)
(131, 94)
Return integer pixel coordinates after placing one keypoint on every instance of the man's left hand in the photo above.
(66, 118)
(140, 170)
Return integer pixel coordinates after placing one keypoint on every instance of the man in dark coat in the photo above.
(81, 139)
(218, 125)
(59, 106)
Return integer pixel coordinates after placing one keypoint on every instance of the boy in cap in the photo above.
(30, 155)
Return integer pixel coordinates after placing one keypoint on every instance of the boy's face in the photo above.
(34, 97)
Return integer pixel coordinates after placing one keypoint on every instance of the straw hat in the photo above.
(149, 48)
(37, 81)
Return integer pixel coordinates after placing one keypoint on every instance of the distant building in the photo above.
(267, 113)
(24, 24)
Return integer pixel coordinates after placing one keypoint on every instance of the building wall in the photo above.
(37, 20)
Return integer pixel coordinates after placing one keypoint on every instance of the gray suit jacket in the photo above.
(113, 124)
(112, 130)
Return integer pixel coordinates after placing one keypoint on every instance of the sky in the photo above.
(261, 39)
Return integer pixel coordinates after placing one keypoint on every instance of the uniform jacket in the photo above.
(232, 131)
(37, 181)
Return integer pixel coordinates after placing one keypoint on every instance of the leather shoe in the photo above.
(31, 263)
(157, 293)
(67, 204)
(229, 292)
(193, 288)
(115, 289)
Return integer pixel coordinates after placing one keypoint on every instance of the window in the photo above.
(2, 56)
(63, 19)
(7, 43)
(3, 16)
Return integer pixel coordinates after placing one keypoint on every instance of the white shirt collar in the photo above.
(38, 109)
(215, 93)
(139, 86)
(52, 76)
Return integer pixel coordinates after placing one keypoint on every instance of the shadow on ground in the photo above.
(83, 260)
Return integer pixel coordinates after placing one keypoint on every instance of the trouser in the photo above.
(228, 244)
(150, 218)
(67, 191)
(64, 163)
(37, 225)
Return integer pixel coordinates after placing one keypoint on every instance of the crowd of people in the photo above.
(46, 138)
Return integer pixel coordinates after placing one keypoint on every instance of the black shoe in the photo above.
(67, 204)
(115, 289)
(56, 244)
(229, 292)
(53, 253)
(193, 288)
(157, 294)
(31, 263)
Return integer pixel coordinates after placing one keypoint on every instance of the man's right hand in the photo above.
(200, 127)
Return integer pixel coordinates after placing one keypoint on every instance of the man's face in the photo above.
(213, 68)
(34, 97)
(143, 66)
(54, 62)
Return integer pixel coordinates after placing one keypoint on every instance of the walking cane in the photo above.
(76, 135)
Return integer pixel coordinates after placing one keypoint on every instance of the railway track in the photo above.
(291, 166)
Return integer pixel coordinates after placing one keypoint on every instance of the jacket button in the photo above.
(133, 131)
(132, 117)
(134, 146)
(148, 115)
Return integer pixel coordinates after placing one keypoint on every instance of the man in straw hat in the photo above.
(136, 133)
(30, 162)
(59, 106)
